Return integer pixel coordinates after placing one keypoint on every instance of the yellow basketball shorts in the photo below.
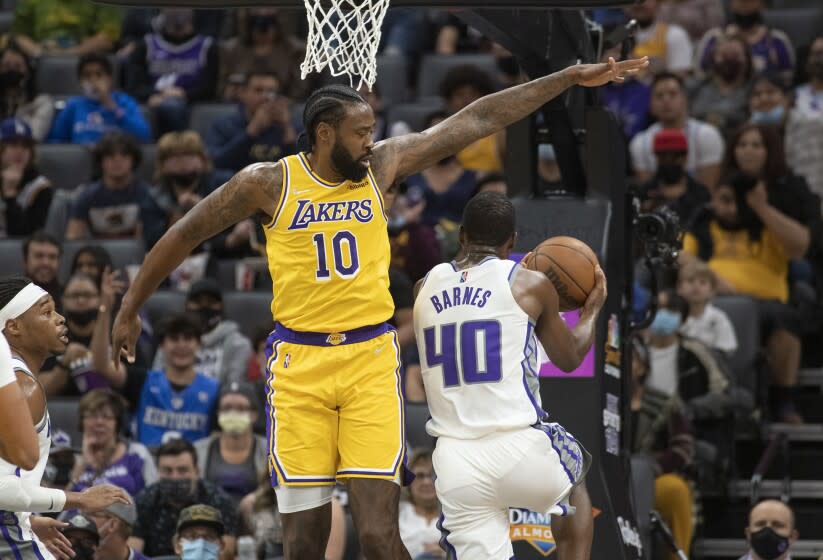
(334, 406)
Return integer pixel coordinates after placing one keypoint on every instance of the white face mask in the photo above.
(89, 90)
(234, 422)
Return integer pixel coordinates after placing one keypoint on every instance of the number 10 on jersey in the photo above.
(460, 358)
(346, 263)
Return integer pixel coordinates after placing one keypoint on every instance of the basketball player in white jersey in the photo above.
(476, 320)
(18, 440)
(34, 331)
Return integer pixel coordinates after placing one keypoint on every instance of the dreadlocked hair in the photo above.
(327, 105)
(10, 286)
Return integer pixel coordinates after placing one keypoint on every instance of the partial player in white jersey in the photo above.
(477, 321)
(18, 440)
(34, 331)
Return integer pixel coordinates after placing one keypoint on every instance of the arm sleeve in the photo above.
(228, 151)
(678, 49)
(45, 499)
(711, 146)
(132, 120)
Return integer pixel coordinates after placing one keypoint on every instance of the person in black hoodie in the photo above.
(26, 193)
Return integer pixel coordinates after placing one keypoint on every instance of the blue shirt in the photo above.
(161, 409)
(447, 205)
(111, 213)
(85, 120)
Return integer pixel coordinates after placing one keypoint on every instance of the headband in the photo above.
(21, 303)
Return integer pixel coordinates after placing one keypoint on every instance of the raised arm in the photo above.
(566, 347)
(255, 188)
(404, 155)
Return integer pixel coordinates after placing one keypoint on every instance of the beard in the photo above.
(350, 168)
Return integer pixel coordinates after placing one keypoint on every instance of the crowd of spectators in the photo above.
(725, 129)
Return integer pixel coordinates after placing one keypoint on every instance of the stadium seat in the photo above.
(744, 362)
(64, 416)
(59, 210)
(417, 414)
(801, 25)
(163, 303)
(58, 75)
(392, 79)
(204, 114)
(11, 256)
(123, 252)
(146, 169)
(66, 165)
(434, 68)
(249, 310)
(225, 273)
(413, 114)
(6, 19)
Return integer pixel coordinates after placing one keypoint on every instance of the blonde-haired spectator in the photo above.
(697, 284)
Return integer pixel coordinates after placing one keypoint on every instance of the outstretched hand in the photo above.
(48, 531)
(593, 75)
(124, 334)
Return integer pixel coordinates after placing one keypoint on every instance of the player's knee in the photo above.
(376, 537)
(300, 543)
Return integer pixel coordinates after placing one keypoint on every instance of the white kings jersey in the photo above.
(34, 476)
(477, 348)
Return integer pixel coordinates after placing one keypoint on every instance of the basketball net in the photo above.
(344, 36)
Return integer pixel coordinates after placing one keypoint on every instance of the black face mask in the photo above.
(210, 317)
(670, 173)
(768, 544)
(11, 78)
(176, 493)
(182, 179)
(645, 23)
(729, 69)
(747, 21)
(81, 318)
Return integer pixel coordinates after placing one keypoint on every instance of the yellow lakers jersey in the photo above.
(328, 252)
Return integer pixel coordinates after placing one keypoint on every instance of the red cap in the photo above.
(670, 140)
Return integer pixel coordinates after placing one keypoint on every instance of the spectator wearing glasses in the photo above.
(419, 514)
(234, 458)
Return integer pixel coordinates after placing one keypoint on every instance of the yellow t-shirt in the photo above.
(756, 269)
(481, 155)
(328, 252)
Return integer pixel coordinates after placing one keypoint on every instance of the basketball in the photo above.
(569, 263)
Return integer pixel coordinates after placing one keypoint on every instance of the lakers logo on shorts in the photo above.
(336, 338)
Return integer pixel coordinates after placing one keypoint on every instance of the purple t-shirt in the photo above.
(133, 471)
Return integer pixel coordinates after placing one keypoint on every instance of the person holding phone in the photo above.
(261, 130)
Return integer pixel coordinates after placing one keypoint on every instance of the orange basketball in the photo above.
(569, 263)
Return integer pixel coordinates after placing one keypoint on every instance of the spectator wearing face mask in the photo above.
(173, 68)
(672, 186)
(234, 458)
(771, 531)
(721, 98)
(82, 533)
(769, 101)
(160, 507)
(86, 118)
(18, 93)
(224, 351)
(199, 533)
(771, 49)
(265, 43)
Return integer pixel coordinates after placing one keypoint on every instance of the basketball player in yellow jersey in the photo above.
(334, 408)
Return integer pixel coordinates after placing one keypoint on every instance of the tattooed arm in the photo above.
(401, 156)
(257, 187)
